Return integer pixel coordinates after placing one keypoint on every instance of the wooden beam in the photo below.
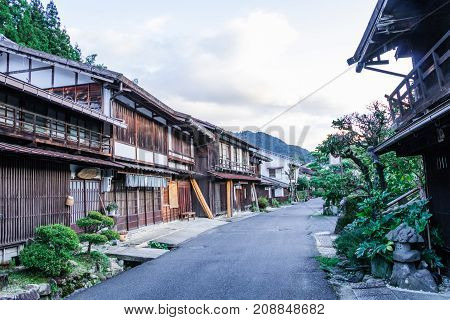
(201, 198)
(386, 72)
(255, 195)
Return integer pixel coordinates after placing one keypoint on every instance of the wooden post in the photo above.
(229, 200)
(255, 195)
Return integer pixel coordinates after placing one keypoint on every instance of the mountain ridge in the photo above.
(270, 143)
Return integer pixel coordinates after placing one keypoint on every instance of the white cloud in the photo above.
(241, 73)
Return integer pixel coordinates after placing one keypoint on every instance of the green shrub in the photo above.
(101, 259)
(88, 224)
(112, 206)
(275, 203)
(349, 211)
(348, 242)
(254, 208)
(58, 237)
(158, 245)
(94, 225)
(51, 251)
(43, 258)
(327, 263)
(92, 238)
(263, 203)
(110, 234)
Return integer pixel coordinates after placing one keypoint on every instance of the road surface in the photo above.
(269, 256)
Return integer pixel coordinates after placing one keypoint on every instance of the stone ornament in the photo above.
(404, 273)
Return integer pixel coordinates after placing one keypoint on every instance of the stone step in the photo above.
(135, 254)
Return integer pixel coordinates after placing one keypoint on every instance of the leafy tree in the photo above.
(357, 135)
(29, 24)
(95, 227)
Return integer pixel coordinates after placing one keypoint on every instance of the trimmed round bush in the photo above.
(93, 238)
(43, 258)
(88, 223)
(105, 220)
(110, 234)
(58, 237)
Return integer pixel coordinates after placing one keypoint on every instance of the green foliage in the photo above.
(94, 259)
(31, 25)
(327, 263)
(275, 203)
(106, 222)
(110, 234)
(302, 183)
(43, 258)
(51, 251)
(370, 249)
(87, 223)
(23, 278)
(101, 259)
(254, 208)
(349, 211)
(96, 226)
(348, 242)
(333, 184)
(263, 203)
(158, 245)
(374, 229)
(57, 237)
(112, 206)
(93, 238)
(431, 258)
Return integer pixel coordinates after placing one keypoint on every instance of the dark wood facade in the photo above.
(420, 104)
(32, 194)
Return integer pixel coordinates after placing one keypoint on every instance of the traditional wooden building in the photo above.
(419, 105)
(227, 170)
(55, 127)
(71, 131)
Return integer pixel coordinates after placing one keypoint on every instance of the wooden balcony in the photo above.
(424, 87)
(228, 165)
(42, 129)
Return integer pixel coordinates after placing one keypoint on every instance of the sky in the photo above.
(238, 64)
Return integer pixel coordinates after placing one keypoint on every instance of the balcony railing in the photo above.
(425, 85)
(17, 122)
(228, 165)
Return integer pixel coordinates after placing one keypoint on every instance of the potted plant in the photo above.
(123, 235)
(112, 208)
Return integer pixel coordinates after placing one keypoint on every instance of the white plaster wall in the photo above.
(64, 77)
(160, 159)
(124, 150)
(144, 155)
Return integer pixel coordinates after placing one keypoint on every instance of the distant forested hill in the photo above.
(270, 143)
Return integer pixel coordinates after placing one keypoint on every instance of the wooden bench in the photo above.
(187, 215)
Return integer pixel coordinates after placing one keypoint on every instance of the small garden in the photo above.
(59, 261)
(373, 197)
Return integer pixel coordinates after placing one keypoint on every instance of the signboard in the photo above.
(173, 195)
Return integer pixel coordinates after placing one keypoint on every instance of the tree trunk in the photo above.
(364, 169)
(380, 172)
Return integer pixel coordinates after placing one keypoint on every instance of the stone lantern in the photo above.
(404, 273)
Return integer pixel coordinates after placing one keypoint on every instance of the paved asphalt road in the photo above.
(269, 256)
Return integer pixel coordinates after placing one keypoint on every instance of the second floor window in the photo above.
(272, 173)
